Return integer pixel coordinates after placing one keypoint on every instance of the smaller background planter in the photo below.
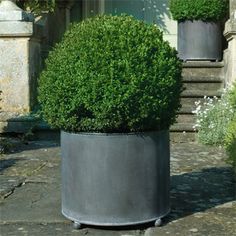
(198, 40)
(115, 179)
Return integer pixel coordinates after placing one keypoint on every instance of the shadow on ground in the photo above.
(194, 192)
(4, 164)
(16, 144)
(200, 191)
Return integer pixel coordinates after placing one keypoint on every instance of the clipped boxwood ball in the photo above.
(111, 74)
(205, 10)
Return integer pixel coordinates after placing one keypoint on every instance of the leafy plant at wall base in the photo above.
(5, 145)
(230, 142)
(230, 138)
(111, 74)
(212, 117)
(232, 96)
(206, 10)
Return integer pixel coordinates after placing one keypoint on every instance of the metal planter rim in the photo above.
(113, 133)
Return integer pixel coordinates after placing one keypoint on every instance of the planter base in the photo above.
(77, 224)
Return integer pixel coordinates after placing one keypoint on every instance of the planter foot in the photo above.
(77, 225)
(158, 223)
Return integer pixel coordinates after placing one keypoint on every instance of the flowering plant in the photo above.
(213, 116)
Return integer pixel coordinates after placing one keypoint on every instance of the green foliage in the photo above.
(230, 142)
(213, 116)
(230, 138)
(111, 74)
(37, 6)
(232, 97)
(5, 145)
(216, 122)
(206, 10)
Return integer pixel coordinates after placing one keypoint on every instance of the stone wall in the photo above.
(157, 11)
(151, 11)
(230, 53)
(20, 64)
(14, 75)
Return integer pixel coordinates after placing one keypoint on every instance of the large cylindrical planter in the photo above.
(199, 40)
(115, 179)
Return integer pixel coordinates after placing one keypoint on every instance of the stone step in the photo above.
(200, 93)
(203, 64)
(189, 102)
(204, 73)
(186, 118)
(186, 109)
(11, 122)
(182, 137)
(19, 127)
(182, 127)
(203, 69)
(206, 86)
(202, 79)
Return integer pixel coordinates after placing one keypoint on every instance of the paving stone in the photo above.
(33, 202)
(8, 184)
(55, 229)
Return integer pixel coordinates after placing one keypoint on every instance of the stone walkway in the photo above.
(203, 194)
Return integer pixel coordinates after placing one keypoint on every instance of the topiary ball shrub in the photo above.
(111, 74)
(206, 10)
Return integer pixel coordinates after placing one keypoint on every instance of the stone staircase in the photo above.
(200, 79)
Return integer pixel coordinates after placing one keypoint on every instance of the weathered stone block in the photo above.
(19, 69)
(230, 54)
(20, 63)
(15, 16)
(16, 28)
(14, 74)
(9, 11)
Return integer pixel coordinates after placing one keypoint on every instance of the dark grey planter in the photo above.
(115, 179)
(198, 40)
